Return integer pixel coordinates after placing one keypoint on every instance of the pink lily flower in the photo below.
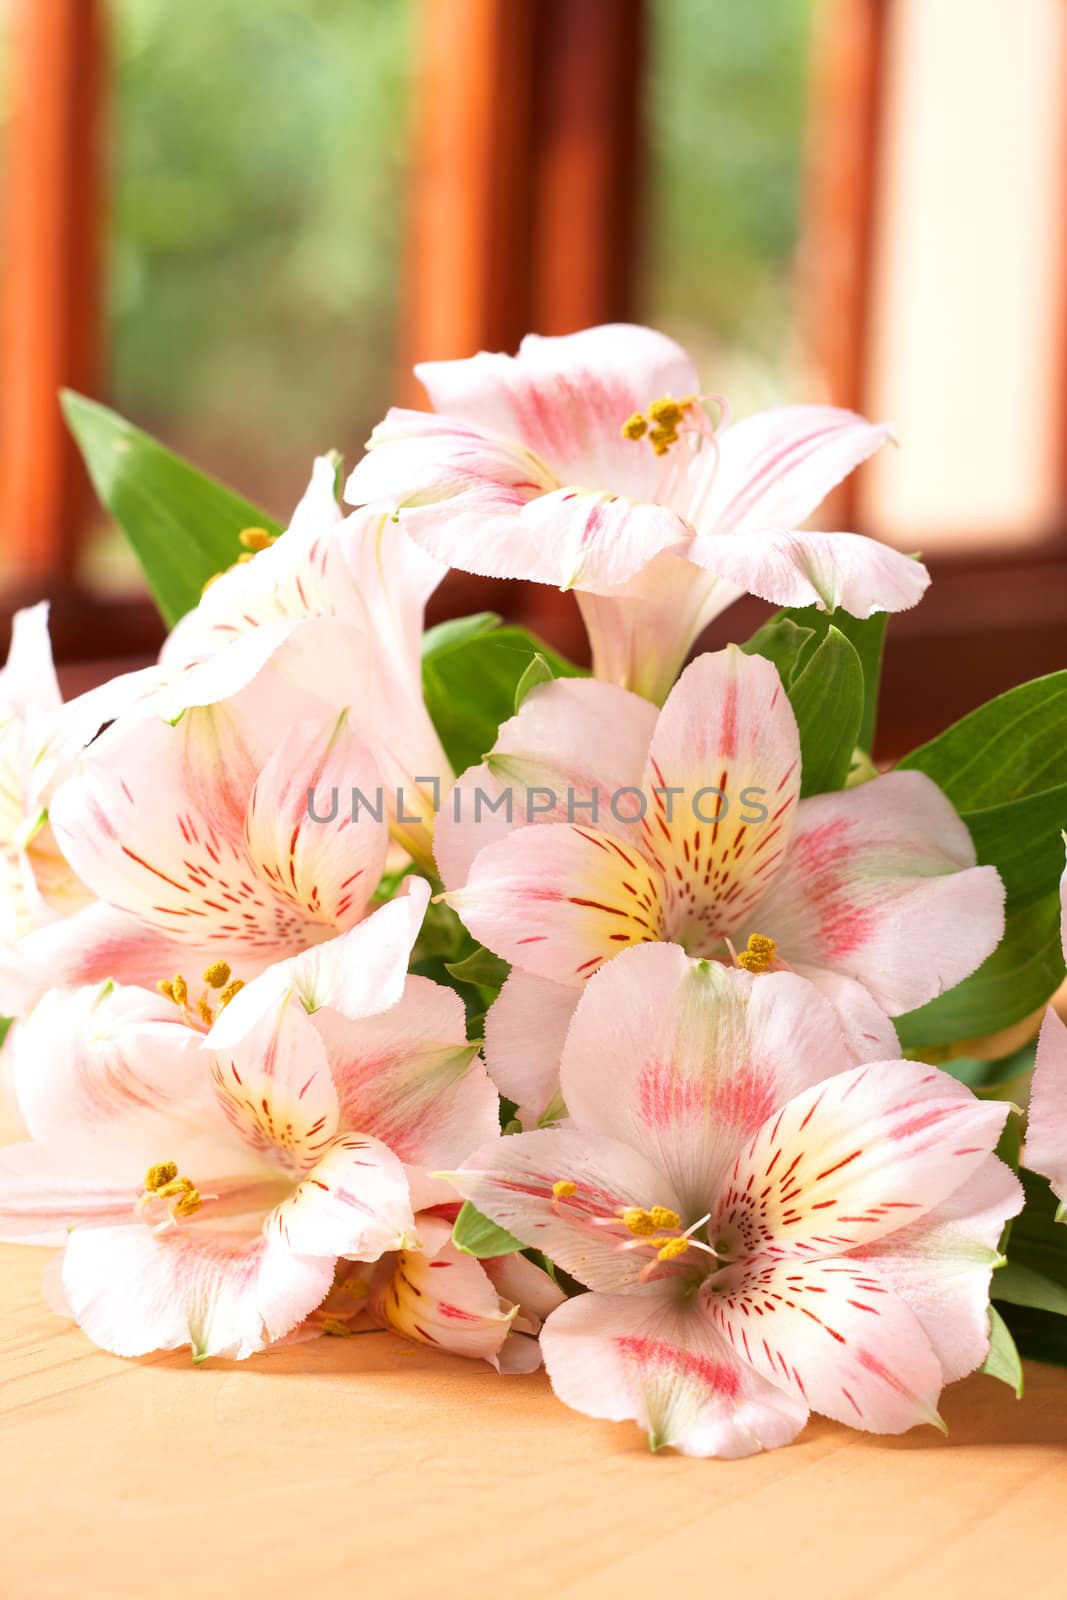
(767, 1230)
(1045, 1150)
(589, 462)
(437, 1296)
(206, 1192)
(203, 831)
(687, 826)
(40, 741)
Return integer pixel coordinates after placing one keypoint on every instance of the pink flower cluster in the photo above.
(247, 1120)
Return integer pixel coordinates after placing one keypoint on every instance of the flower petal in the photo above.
(776, 467)
(275, 1089)
(353, 1202)
(358, 974)
(685, 1060)
(724, 768)
(511, 1181)
(667, 1368)
(834, 1334)
(134, 1290)
(855, 1158)
(559, 901)
(302, 831)
(942, 1265)
(525, 1030)
(440, 1297)
(827, 570)
(571, 748)
(880, 885)
(410, 1077)
(41, 1198)
(28, 682)
(1046, 1128)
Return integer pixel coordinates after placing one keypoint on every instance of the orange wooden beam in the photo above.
(51, 288)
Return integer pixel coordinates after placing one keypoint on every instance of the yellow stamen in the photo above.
(635, 427)
(189, 1202)
(166, 988)
(204, 1008)
(179, 991)
(234, 986)
(177, 1186)
(639, 1221)
(217, 974)
(564, 1189)
(156, 1176)
(660, 423)
(759, 954)
(670, 1249)
(255, 539)
(664, 1217)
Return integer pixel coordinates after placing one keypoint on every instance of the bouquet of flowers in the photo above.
(364, 977)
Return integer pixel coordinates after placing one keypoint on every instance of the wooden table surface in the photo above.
(333, 1467)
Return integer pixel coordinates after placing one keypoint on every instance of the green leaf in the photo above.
(481, 968)
(537, 672)
(477, 1236)
(781, 641)
(1008, 749)
(183, 525)
(1003, 1359)
(1022, 839)
(1038, 1242)
(1022, 973)
(1039, 1335)
(470, 676)
(457, 631)
(1022, 1286)
(790, 637)
(827, 700)
(991, 1077)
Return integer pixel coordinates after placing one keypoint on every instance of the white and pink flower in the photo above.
(871, 893)
(1046, 1132)
(767, 1229)
(589, 462)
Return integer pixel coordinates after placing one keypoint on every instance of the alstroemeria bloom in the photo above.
(343, 599)
(40, 740)
(589, 462)
(438, 1296)
(1046, 1130)
(205, 1194)
(767, 1230)
(205, 833)
(871, 892)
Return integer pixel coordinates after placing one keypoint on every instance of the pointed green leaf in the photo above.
(183, 525)
(1023, 1286)
(477, 1236)
(1022, 840)
(827, 700)
(538, 671)
(481, 967)
(1003, 1359)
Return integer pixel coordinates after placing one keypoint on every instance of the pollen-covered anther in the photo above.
(164, 1182)
(234, 986)
(254, 539)
(670, 1249)
(563, 1189)
(760, 953)
(217, 975)
(661, 422)
(161, 1173)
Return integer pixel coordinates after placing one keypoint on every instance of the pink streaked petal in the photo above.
(599, 539)
(664, 1366)
(853, 1159)
(567, 399)
(942, 1265)
(275, 1089)
(525, 1030)
(727, 729)
(358, 974)
(869, 1033)
(559, 901)
(440, 1297)
(834, 1334)
(828, 570)
(685, 1060)
(43, 1194)
(641, 634)
(574, 743)
(1046, 1128)
(776, 468)
(410, 1077)
(353, 1202)
(880, 885)
(90, 946)
(134, 1291)
(327, 869)
(511, 1181)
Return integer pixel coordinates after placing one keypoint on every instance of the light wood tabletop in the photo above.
(342, 1465)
